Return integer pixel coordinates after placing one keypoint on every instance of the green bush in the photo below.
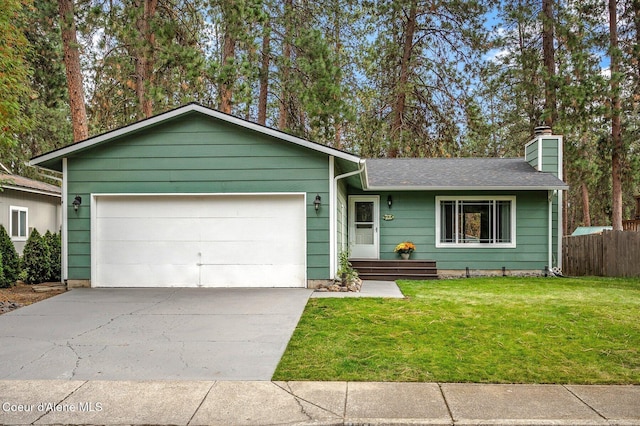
(11, 260)
(3, 281)
(345, 270)
(35, 259)
(55, 247)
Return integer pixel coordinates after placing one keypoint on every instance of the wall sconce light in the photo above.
(389, 201)
(317, 201)
(76, 202)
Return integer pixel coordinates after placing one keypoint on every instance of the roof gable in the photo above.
(53, 159)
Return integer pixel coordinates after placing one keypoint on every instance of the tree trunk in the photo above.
(144, 57)
(73, 71)
(586, 213)
(226, 91)
(616, 130)
(283, 117)
(401, 87)
(635, 7)
(337, 138)
(548, 53)
(264, 75)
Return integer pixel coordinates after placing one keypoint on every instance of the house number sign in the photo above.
(388, 217)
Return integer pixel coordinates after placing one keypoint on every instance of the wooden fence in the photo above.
(609, 254)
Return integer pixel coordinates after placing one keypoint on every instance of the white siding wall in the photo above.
(44, 212)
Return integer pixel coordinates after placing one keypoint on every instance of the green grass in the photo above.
(490, 330)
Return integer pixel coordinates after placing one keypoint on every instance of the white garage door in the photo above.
(199, 241)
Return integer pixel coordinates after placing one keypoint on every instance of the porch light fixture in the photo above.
(389, 201)
(317, 201)
(76, 202)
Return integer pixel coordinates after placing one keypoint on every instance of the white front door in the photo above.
(363, 226)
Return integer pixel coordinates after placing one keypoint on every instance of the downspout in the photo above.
(550, 231)
(333, 261)
(65, 228)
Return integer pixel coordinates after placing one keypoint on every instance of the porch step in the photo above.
(391, 270)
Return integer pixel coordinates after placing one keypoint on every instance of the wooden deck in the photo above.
(391, 270)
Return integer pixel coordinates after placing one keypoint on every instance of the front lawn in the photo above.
(497, 330)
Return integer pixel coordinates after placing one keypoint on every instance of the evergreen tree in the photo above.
(47, 109)
(73, 70)
(14, 72)
(3, 280)
(147, 56)
(35, 259)
(10, 259)
(420, 68)
(54, 246)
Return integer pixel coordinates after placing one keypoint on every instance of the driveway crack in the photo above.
(23, 366)
(78, 359)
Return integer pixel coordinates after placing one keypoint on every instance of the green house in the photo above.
(197, 198)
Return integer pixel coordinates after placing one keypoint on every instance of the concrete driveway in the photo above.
(151, 334)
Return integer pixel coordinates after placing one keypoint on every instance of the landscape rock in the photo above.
(337, 286)
(8, 306)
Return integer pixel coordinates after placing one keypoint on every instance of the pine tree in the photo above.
(47, 109)
(74, 71)
(14, 74)
(419, 68)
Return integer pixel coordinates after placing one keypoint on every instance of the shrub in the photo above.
(11, 260)
(55, 247)
(345, 269)
(35, 259)
(3, 281)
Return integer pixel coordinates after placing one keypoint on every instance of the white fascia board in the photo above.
(464, 188)
(64, 152)
(364, 177)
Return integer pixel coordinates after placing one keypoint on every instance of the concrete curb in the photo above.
(47, 402)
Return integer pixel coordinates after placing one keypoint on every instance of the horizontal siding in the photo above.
(550, 156)
(193, 176)
(531, 154)
(197, 154)
(414, 220)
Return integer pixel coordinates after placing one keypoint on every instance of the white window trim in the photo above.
(511, 198)
(26, 227)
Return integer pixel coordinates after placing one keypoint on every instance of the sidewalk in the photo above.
(317, 403)
(384, 289)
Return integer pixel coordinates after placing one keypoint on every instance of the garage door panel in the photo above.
(147, 229)
(243, 229)
(149, 252)
(251, 276)
(138, 276)
(261, 252)
(230, 241)
(149, 206)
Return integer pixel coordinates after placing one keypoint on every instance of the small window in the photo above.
(19, 222)
(470, 222)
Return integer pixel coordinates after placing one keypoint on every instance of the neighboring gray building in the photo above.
(26, 204)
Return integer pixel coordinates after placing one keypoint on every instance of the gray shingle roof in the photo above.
(23, 183)
(457, 173)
